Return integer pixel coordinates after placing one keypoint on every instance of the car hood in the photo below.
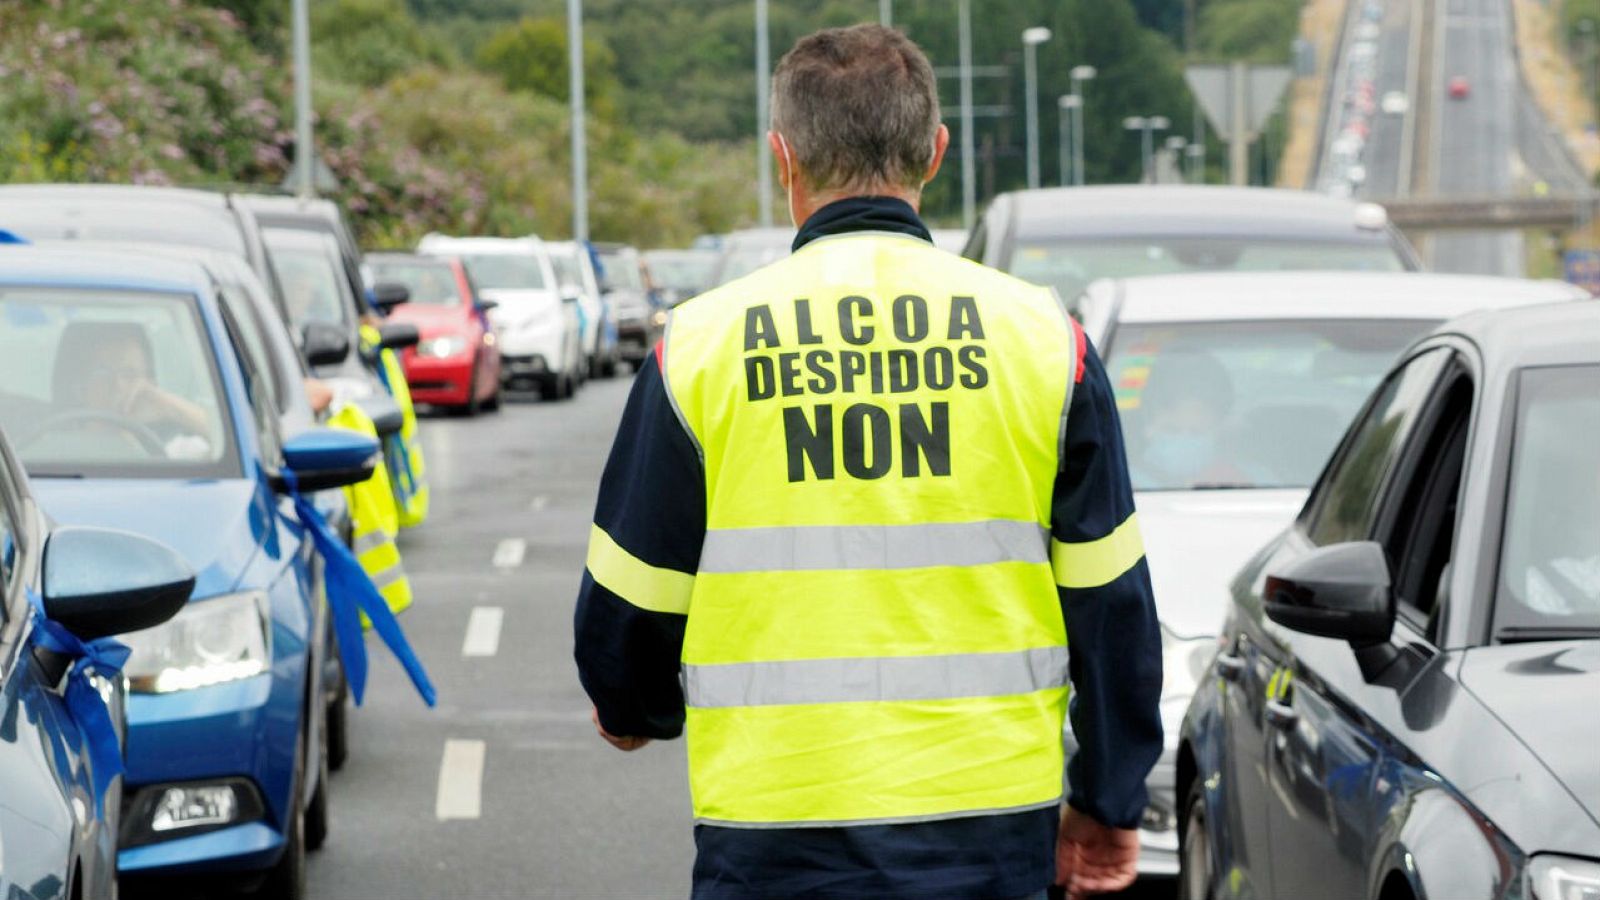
(1545, 693)
(515, 306)
(1196, 541)
(432, 321)
(216, 526)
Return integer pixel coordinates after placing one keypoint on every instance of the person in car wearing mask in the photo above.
(1180, 423)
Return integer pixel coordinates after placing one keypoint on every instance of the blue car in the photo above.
(134, 403)
(59, 804)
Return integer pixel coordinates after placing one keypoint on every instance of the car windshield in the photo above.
(620, 272)
(108, 383)
(314, 288)
(504, 271)
(1244, 404)
(681, 273)
(1069, 266)
(430, 283)
(1550, 552)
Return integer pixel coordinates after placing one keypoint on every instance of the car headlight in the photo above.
(442, 347)
(209, 642)
(1563, 878)
(660, 318)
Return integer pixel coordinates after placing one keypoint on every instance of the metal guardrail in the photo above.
(1470, 213)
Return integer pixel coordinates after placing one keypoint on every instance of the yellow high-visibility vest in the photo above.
(373, 520)
(411, 499)
(874, 632)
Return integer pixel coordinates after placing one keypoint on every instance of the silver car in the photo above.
(1233, 390)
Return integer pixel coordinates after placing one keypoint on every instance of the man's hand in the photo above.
(1092, 858)
(621, 743)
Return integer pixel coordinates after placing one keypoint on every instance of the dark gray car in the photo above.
(1406, 698)
(1069, 237)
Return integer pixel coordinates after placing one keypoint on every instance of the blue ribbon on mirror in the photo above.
(351, 592)
(400, 467)
(105, 657)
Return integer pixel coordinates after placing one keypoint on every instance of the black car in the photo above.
(636, 304)
(1068, 237)
(1406, 698)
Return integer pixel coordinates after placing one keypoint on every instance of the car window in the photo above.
(1550, 550)
(568, 274)
(242, 315)
(620, 271)
(430, 283)
(505, 271)
(1244, 404)
(109, 383)
(1345, 502)
(308, 265)
(8, 557)
(1070, 265)
(252, 364)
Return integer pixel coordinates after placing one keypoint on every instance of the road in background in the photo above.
(1386, 144)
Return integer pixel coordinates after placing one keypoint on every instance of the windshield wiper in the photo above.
(1527, 634)
(1222, 486)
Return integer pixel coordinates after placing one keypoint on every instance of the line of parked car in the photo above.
(1371, 505)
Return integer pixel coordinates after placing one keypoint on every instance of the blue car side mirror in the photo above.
(321, 458)
(99, 582)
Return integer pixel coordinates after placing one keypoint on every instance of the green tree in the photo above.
(368, 42)
(531, 55)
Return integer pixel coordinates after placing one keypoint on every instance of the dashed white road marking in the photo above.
(460, 781)
(508, 554)
(540, 502)
(483, 631)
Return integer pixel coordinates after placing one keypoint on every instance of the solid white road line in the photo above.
(483, 631)
(460, 781)
(509, 553)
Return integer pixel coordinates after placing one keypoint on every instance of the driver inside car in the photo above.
(108, 368)
(1181, 420)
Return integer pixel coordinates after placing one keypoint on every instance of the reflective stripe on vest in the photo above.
(874, 630)
(373, 521)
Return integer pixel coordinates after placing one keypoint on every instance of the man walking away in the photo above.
(860, 502)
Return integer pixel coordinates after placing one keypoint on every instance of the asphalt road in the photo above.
(1386, 142)
(556, 813)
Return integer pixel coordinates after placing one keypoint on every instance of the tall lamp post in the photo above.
(763, 116)
(580, 146)
(969, 187)
(1148, 125)
(1080, 74)
(304, 157)
(1031, 39)
(1175, 145)
(886, 13)
(1067, 105)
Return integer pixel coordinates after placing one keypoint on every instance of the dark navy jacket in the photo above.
(652, 503)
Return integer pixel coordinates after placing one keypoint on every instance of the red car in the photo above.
(457, 362)
(1459, 88)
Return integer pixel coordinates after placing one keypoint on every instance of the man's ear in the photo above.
(780, 149)
(941, 143)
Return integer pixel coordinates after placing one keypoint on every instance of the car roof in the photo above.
(290, 207)
(1553, 334)
(76, 266)
(42, 212)
(397, 256)
(1222, 296)
(444, 243)
(1107, 211)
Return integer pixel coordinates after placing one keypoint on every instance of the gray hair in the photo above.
(858, 107)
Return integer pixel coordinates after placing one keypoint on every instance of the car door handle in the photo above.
(1281, 715)
(1229, 666)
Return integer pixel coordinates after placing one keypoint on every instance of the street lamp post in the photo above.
(1175, 145)
(1031, 39)
(1067, 105)
(969, 187)
(886, 13)
(1080, 74)
(763, 116)
(1147, 125)
(304, 157)
(580, 146)
(1197, 162)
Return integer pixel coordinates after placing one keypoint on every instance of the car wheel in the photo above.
(550, 387)
(286, 880)
(471, 407)
(608, 369)
(337, 724)
(491, 403)
(316, 816)
(1196, 880)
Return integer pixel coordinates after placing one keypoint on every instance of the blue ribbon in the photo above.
(400, 468)
(87, 708)
(351, 592)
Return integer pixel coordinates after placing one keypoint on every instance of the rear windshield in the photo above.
(504, 271)
(1069, 266)
(430, 283)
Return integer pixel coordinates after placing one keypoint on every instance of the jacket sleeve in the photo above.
(644, 549)
(1112, 632)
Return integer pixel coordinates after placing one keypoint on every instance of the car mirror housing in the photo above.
(1339, 591)
(324, 344)
(99, 581)
(386, 295)
(484, 304)
(322, 458)
(398, 335)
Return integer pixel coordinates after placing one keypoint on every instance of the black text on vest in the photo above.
(864, 349)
